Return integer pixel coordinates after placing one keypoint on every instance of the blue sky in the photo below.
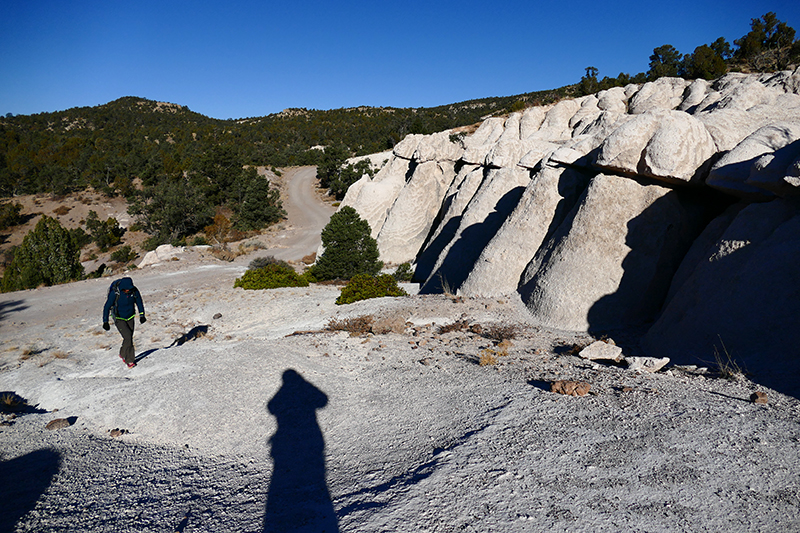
(245, 58)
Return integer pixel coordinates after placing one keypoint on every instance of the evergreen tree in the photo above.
(47, 256)
(665, 61)
(704, 63)
(349, 248)
(260, 206)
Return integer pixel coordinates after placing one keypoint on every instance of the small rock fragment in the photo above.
(646, 364)
(600, 350)
(217, 316)
(58, 423)
(759, 397)
(570, 388)
(116, 432)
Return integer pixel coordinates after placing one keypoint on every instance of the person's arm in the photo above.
(107, 310)
(140, 305)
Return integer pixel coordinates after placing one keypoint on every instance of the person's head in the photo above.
(126, 285)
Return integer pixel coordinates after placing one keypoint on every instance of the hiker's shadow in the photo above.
(24, 480)
(298, 498)
(194, 333)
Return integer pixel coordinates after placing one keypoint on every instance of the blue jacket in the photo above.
(128, 297)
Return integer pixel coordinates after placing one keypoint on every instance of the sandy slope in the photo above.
(250, 428)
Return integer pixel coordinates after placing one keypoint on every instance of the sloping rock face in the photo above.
(613, 210)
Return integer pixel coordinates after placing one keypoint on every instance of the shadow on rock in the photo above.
(24, 480)
(298, 498)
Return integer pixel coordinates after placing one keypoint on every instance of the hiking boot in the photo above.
(131, 365)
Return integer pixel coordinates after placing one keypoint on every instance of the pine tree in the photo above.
(349, 248)
(47, 256)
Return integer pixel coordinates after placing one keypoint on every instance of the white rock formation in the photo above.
(507, 210)
(605, 267)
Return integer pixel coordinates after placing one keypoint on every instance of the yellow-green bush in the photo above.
(364, 287)
(271, 276)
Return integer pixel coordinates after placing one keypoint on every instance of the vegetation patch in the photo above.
(271, 276)
(359, 325)
(364, 287)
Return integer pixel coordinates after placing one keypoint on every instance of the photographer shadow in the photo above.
(298, 498)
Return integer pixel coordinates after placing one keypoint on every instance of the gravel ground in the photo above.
(270, 422)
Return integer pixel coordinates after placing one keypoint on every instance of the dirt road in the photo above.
(307, 214)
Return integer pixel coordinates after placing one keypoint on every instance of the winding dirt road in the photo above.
(307, 215)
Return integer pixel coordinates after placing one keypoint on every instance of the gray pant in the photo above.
(125, 328)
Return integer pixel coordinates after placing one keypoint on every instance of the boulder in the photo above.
(478, 145)
(487, 210)
(646, 364)
(548, 198)
(407, 146)
(671, 146)
(694, 94)
(602, 351)
(778, 171)
(437, 147)
(622, 150)
(165, 252)
(732, 173)
(663, 94)
(613, 100)
(742, 300)
(411, 216)
(531, 120)
(570, 388)
(609, 264)
(555, 126)
(680, 150)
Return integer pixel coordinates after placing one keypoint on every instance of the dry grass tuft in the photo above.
(501, 332)
(458, 325)
(359, 325)
(488, 357)
(9, 400)
(727, 367)
(60, 355)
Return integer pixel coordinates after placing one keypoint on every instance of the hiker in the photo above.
(122, 296)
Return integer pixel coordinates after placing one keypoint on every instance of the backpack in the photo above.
(114, 288)
(117, 292)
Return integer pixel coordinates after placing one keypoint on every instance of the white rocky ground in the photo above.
(417, 435)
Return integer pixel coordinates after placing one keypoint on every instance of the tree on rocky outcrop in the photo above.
(767, 44)
(665, 61)
(47, 256)
(704, 63)
(349, 248)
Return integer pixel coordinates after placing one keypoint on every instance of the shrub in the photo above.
(271, 276)
(403, 272)
(364, 287)
(354, 325)
(123, 255)
(104, 234)
(500, 332)
(261, 262)
(10, 215)
(349, 248)
(46, 256)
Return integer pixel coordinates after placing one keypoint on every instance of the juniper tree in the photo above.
(349, 248)
(48, 255)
